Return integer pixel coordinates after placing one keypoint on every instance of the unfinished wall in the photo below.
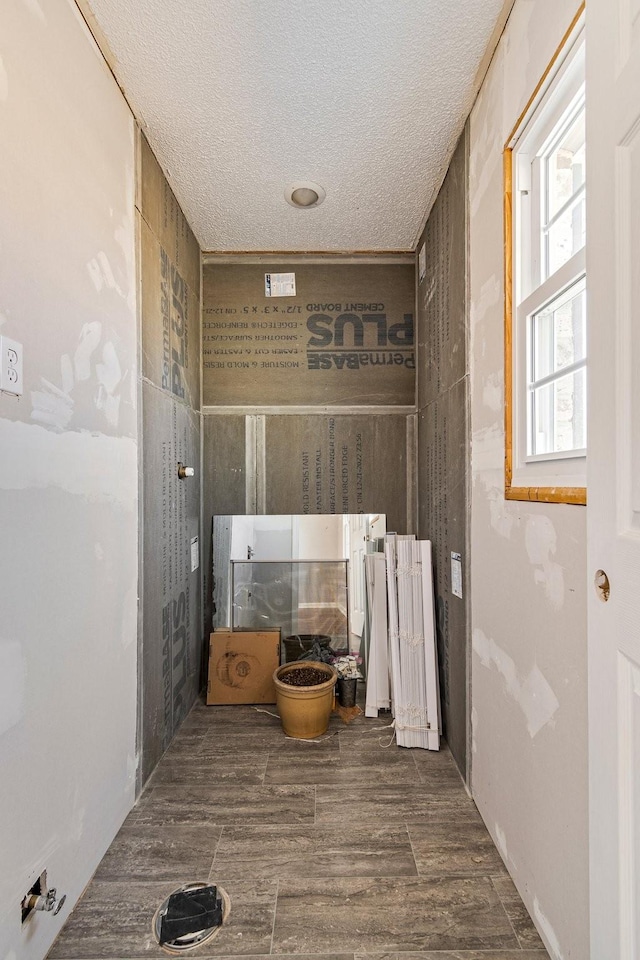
(345, 337)
(443, 428)
(68, 484)
(339, 464)
(171, 644)
(529, 709)
(273, 369)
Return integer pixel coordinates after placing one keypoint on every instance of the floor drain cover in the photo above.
(190, 916)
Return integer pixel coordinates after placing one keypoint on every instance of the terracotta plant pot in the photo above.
(305, 711)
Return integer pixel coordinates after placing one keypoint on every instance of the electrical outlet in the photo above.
(11, 377)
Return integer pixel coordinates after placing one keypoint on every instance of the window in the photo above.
(546, 304)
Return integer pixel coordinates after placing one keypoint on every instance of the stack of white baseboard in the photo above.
(403, 656)
(378, 696)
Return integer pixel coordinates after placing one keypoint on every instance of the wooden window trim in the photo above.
(555, 494)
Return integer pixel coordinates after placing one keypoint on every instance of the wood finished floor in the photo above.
(344, 849)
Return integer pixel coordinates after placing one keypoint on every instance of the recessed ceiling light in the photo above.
(304, 195)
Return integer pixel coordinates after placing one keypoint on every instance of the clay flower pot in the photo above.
(305, 710)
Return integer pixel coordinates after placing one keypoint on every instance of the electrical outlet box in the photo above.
(11, 376)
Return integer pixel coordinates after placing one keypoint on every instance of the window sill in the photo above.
(574, 495)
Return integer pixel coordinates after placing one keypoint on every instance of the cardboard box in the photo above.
(241, 666)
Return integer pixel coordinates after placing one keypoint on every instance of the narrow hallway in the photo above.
(345, 847)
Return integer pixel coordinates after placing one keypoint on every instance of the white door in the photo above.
(613, 512)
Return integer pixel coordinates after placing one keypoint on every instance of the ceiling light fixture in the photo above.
(304, 195)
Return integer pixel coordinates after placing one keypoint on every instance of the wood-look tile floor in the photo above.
(345, 849)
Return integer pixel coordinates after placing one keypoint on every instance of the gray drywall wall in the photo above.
(443, 447)
(529, 666)
(68, 480)
(171, 649)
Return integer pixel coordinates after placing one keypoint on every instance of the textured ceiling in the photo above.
(240, 98)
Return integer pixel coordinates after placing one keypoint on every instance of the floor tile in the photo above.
(455, 849)
(367, 729)
(174, 852)
(232, 717)
(458, 955)
(380, 765)
(409, 803)
(115, 921)
(522, 923)
(184, 746)
(310, 768)
(316, 956)
(340, 850)
(375, 849)
(389, 915)
(210, 771)
(291, 747)
(437, 767)
(241, 742)
(243, 804)
(346, 768)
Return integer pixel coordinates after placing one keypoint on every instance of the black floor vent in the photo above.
(190, 916)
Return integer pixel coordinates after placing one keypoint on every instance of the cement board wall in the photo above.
(304, 464)
(346, 337)
(342, 464)
(443, 447)
(172, 642)
(172, 649)
(224, 486)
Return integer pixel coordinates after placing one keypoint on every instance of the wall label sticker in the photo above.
(279, 284)
(195, 554)
(456, 574)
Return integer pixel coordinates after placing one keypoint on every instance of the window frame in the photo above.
(554, 477)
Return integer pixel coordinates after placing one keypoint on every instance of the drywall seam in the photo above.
(547, 931)
(533, 694)
(540, 542)
(501, 842)
(88, 465)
